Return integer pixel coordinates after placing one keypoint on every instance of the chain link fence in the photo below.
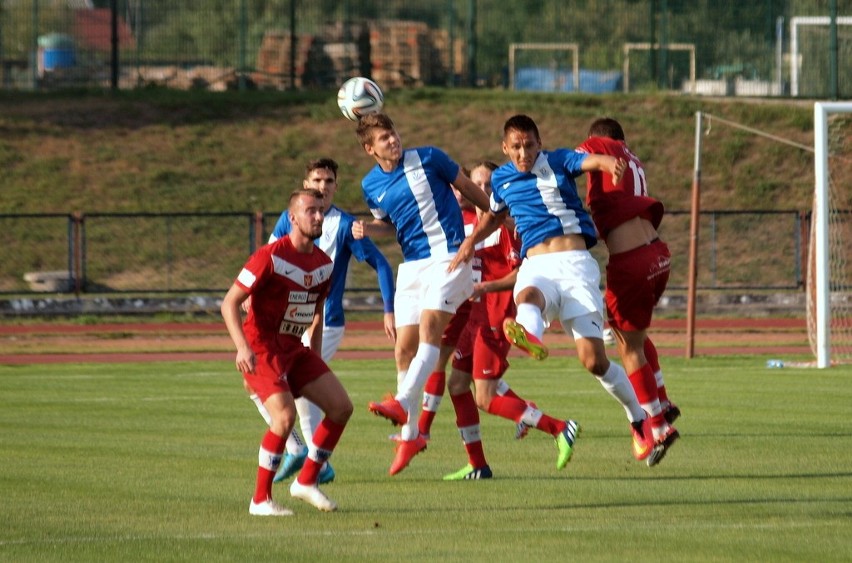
(760, 48)
(181, 253)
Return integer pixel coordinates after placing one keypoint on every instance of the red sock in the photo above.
(271, 445)
(435, 387)
(654, 361)
(325, 440)
(467, 416)
(513, 409)
(645, 385)
(651, 355)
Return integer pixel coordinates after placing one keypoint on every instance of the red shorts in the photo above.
(482, 352)
(280, 371)
(635, 281)
(456, 325)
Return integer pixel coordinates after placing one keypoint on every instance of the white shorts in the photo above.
(331, 338)
(427, 285)
(570, 282)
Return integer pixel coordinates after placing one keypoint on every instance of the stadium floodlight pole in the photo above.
(693, 243)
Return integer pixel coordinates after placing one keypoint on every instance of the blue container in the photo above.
(59, 58)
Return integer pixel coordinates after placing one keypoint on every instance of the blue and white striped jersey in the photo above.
(544, 201)
(417, 198)
(337, 241)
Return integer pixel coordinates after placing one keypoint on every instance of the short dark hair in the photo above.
(523, 123)
(367, 123)
(319, 164)
(606, 127)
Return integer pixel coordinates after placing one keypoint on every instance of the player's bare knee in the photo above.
(282, 424)
(345, 411)
(456, 386)
(595, 364)
(483, 402)
(531, 295)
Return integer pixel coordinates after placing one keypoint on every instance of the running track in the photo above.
(366, 340)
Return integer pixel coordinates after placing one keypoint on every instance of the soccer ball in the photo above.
(359, 96)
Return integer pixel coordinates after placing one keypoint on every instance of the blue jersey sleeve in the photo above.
(282, 227)
(365, 250)
(384, 271)
(498, 177)
(572, 161)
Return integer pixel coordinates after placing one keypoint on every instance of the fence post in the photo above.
(77, 219)
(113, 34)
(692, 277)
(258, 230)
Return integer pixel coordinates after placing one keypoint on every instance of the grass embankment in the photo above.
(167, 151)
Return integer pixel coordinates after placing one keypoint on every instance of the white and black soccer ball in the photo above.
(359, 96)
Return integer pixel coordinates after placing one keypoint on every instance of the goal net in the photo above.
(829, 277)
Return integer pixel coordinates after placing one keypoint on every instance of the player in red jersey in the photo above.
(636, 275)
(288, 281)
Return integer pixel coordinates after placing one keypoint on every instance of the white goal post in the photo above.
(795, 23)
(822, 243)
(689, 47)
(573, 47)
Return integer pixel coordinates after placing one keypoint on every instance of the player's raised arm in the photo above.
(488, 223)
(605, 163)
(372, 229)
(471, 191)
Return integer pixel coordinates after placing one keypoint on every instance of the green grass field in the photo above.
(156, 462)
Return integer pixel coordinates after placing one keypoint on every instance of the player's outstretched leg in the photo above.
(524, 340)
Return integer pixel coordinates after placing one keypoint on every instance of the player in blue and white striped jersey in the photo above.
(409, 193)
(559, 278)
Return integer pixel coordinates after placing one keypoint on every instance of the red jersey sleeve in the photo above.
(259, 265)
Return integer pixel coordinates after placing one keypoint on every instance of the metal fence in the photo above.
(760, 48)
(181, 253)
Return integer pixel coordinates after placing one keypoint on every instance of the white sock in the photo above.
(616, 384)
(502, 387)
(294, 443)
(310, 416)
(658, 375)
(418, 372)
(529, 316)
(261, 409)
